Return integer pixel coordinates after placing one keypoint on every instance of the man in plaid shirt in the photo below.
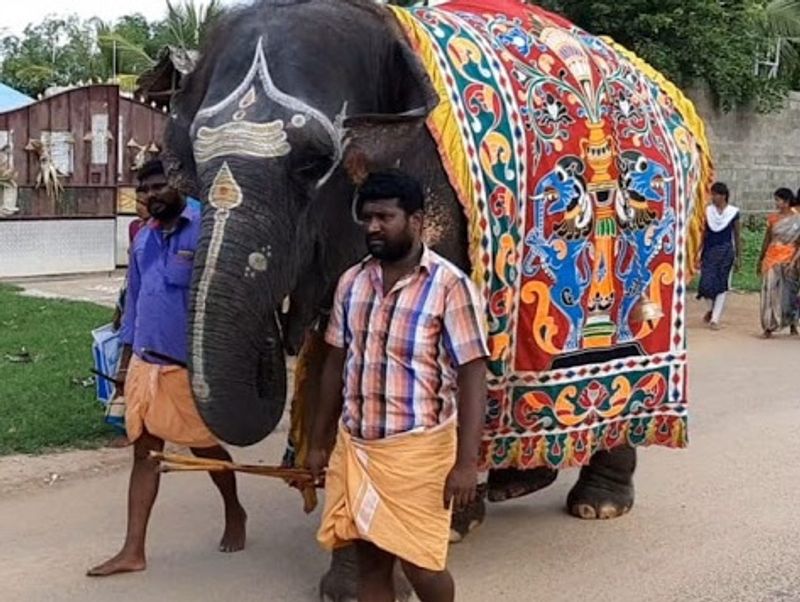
(406, 371)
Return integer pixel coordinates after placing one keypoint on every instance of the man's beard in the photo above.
(390, 252)
(164, 211)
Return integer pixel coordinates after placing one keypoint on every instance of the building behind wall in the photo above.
(93, 138)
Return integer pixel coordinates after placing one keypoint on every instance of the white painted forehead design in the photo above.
(242, 137)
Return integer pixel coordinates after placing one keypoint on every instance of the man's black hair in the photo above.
(722, 189)
(391, 184)
(152, 167)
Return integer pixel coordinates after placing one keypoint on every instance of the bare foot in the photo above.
(124, 562)
(707, 317)
(767, 334)
(235, 533)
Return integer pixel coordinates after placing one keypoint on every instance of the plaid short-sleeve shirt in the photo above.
(404, 348)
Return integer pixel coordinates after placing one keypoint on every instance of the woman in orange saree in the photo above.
(778, 266)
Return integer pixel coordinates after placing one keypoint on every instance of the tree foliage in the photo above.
(54, 52)
(718, 42)
(188, 24)
(714, 41)
(59, 52)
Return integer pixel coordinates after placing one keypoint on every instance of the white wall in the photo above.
(44, 247)
(123, 221)
(753, 153)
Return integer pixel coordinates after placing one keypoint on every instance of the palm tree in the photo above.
(132, 46)
(187, 24)
(120, 58)
(779, 23)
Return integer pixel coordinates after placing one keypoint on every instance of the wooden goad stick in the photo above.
(177, 463)
(300, 478)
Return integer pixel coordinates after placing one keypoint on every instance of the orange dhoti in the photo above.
(390, 492)
(159, 399)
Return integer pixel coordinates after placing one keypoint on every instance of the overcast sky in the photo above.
(16, 14)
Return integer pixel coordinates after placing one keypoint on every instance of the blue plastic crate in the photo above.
(106, 351)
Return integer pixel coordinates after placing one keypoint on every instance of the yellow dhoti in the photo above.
(159, 399)
(390, 492)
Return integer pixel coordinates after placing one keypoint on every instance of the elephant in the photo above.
(292, 102)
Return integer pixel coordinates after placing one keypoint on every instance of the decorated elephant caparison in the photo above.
(560, 171)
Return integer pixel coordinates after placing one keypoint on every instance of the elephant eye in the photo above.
(641, 165)
(551, 195)
(311, 166)
(306, 166)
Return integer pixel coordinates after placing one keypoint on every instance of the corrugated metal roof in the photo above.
(11, 99)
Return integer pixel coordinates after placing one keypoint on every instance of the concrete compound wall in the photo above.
(753, 153)
(57, 246)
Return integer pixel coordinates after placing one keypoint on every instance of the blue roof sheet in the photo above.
(11, 99)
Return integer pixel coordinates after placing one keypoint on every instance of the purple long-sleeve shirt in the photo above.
(159, 276)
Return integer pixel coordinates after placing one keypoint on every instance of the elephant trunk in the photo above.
(239, 383)
(242, 271)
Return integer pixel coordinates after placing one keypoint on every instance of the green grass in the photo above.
(42, 403)
(746, 279)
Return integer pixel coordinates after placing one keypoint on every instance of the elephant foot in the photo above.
(340, 583)
(464, 522)
(597, 505)
(605, 487)
(509, 483)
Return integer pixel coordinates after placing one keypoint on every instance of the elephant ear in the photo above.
(377, 140)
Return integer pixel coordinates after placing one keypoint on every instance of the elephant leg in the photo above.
(605, 487)
(340, 583)
(509, 483)
(465, 521)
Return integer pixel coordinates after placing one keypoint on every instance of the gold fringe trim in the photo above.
(445, 129)
(695, 223)
(517, 454)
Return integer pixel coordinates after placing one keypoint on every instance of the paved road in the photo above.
(101, 287)
(717, 522)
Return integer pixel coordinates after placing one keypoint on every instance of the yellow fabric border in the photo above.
(444, 128)
(695, 223)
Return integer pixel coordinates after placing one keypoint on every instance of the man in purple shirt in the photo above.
(153, 375)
